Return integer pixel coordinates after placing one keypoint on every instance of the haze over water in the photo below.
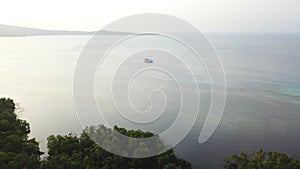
(263, 95)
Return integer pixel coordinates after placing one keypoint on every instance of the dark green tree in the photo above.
(16, 150)
(72, 152)
(261, 160)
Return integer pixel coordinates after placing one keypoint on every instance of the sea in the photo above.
(262, 105)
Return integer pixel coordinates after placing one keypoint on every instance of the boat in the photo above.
(147, 60)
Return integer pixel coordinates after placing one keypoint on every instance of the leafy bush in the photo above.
(261, 160)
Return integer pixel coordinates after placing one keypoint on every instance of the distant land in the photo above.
(18, 31)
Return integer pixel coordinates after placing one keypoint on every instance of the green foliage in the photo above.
(16, 150)
(261, 160)
(72, 152)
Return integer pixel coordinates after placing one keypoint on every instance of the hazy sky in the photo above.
(207, 15)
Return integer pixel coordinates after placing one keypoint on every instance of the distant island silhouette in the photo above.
(18, 31)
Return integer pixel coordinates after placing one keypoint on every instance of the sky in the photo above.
(206, 15)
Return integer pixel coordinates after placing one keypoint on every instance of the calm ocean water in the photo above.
(263, 95)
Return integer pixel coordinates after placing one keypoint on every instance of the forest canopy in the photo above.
(18, 151)
(261, 160)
